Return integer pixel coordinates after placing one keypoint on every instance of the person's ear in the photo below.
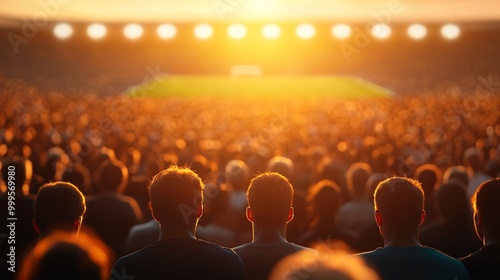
(422, 218)
(249, 214)
(35, 225)
(291, 214)
(378, 218)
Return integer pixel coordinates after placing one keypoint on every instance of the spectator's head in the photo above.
(453, 204)
(325, 199)
(78, 176)
(487, 210)
(60, 256)
(14, 170)
(323, 263)
(237, 174)
(473, 159)
(456, 173)
(399, 205)
(176, 196)
(281, 165)
(429, 176)
(357, 176)
(112, 176)
(201, 166)
(58, 206)
(270, 200)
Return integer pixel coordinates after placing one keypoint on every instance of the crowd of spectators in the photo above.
(333, 151)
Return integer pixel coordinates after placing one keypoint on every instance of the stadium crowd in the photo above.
(333, 152)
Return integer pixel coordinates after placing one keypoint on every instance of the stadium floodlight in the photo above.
(133, 31)
(203, 31)
(341, 31)
(166, 31)
(381, 31)
(63, 31)
(237, 31)
(450, 31)
(305, 31)
(96, 31)
(271, 31)
(417, 31)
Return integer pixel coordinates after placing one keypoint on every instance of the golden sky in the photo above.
(251, 10)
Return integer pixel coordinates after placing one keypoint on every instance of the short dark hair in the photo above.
(112, 175)
(270, 196)
(57, 205)
(357, 176)
(176, 193)
(486, 203)
(325, 199)
(400, 202)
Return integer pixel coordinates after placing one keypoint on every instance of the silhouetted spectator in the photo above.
(281, 165)
(369, 237)
(399, 211)
(110, 213)
(484, 263)
(177, 203)
(215, 227)
(61, 256)
(327, 263)
(79, 176)
(237, 174)
(58, 206)
(453, 234)
(457, 173)
(269, 210)
(357, 213)
(325, 199)
(429, 176)
(474, 161)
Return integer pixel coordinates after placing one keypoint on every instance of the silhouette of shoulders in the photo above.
(484, 263)
(260, 258)
(180, 258)
(415, 262)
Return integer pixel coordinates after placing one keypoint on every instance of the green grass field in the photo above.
(259, 87)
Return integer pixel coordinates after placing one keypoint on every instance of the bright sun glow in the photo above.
(237, 31)
(63, 31)
(341, 31)
(203, 31)
(305, 31)
(96, 31)
(450, 31)
(381, 31)
(166, 31)
(417, 31)
(133, 31)
(271, 31)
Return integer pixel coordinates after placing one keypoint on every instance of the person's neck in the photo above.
(177, 232)
(398, 240)
(269, 234)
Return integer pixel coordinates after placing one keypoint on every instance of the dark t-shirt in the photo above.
(484, 264)
(414, 263)
(260, 258)
(180, 259)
